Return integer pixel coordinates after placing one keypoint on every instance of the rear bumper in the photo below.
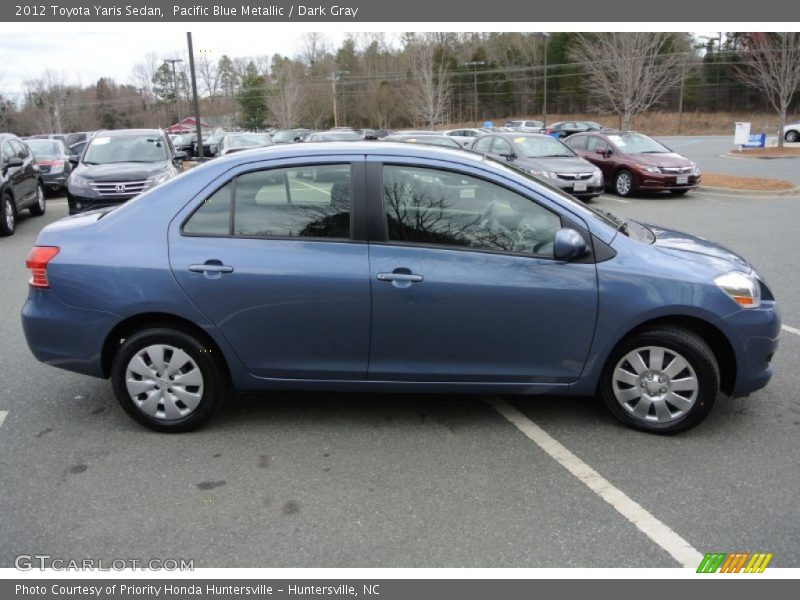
(755, 335)
(55, 181)
(64, 336)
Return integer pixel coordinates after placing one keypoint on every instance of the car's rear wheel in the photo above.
(8, 222)
(38, 209)
(623, 183)
(167, 379)
(792, 136)
(662, 380)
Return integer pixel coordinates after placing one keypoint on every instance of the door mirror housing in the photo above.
(14, 161)
(601, 151)
(74, 159)
(569, 245)
(510, 156)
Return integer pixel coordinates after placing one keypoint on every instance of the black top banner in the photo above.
(377, 11)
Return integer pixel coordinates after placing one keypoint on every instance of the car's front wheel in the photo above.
(662, 380)
(167, 379)
(792, 136)
(623, 183)
(8, 219)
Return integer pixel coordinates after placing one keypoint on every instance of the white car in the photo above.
(464, 136)
(791, 133)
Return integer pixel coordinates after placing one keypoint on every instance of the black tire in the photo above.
(38, 209)
(620, 187)
(210, 365)
(7, 226)
(690, 347)
(678, 192)
(792, 136)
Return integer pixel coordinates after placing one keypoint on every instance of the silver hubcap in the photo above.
(40, 197)
(623, 183)
(9, 214)
(655, 384)
(791, 136)
(164, 382)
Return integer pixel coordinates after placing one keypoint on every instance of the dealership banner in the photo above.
(474, 11)
(390, 589)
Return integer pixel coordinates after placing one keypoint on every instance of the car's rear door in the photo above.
(464, 284)
(274, 260)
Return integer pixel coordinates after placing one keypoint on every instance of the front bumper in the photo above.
(754, 334)
(78, 204)
(657, 182)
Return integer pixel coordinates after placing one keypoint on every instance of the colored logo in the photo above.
(744, 562)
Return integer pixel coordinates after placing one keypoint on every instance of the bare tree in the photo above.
(772, 65)
(286, 95)
(143, 72)
(208, 72)
(428, 94)
(629, 71)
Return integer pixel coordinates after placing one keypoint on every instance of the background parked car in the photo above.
(633, 162)
(528, 126)
(54, 161)
(465, 135)
(119, 165)
(333, 136)
(544, 157)
(21, 185)
(431, 140)
(236, 142)
(791, 133)
(564, 129)
(185, 142)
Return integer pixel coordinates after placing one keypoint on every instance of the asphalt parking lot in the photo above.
(331, 480)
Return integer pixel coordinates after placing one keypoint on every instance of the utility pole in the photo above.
(172, 61)
(335, 76)
(475, 64)
(195, 100)
(544, 102)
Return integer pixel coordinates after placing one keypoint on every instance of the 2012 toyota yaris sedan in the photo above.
(402, 268)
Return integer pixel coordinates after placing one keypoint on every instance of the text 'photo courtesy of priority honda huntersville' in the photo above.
(400, 268)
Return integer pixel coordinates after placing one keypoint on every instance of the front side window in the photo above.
(427, 206)
(6, 152)
(483, 145)
(279, 203)
(596, 143)
(576, 142)
(502, 147)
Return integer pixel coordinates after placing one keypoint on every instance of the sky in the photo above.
(84, 57)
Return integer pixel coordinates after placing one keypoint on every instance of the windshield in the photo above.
(542, 147)
(636, 143)
(44, 147)
(249, 141)
(342, 136)
(125, 148)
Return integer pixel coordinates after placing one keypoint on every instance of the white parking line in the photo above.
(3, 414)
(790, 329)
(675, 545)
(615, 199)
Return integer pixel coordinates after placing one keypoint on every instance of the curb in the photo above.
(795, 191)
(737, 156)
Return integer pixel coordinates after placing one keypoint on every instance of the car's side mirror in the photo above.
(510, 156)
(601, 151)
(74, 159)
(14, 161)
(180, 156)
(569, 245)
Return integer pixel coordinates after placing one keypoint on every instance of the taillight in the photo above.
(37, 261)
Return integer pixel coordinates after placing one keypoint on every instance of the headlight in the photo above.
(548, 174)
(597, 176)
(649, 169)
(742, 288)
(695, 169)
(156, 179)
(78, 183)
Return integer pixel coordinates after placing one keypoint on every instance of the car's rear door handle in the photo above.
(211, 267)
(409, 277)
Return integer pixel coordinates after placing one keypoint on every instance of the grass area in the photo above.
(767, 152)
(662, 122)
(745, 183)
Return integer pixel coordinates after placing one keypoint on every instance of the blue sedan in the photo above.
(398, 268)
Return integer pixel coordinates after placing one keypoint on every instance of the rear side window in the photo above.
(311, 201)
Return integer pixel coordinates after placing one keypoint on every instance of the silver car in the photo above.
(546, 158)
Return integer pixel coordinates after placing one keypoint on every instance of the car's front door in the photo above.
(599, 152)
(465, 286)
(269, 258)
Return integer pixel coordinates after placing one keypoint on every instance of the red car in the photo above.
(633, 162)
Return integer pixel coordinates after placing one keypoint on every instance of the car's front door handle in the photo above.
(409, 277)
(210, 267)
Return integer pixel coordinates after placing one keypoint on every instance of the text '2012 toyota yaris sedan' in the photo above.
(399, 268)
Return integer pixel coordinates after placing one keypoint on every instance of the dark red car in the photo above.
(634, 162)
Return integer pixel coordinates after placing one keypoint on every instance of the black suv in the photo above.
(119, 165)
(21, 184)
